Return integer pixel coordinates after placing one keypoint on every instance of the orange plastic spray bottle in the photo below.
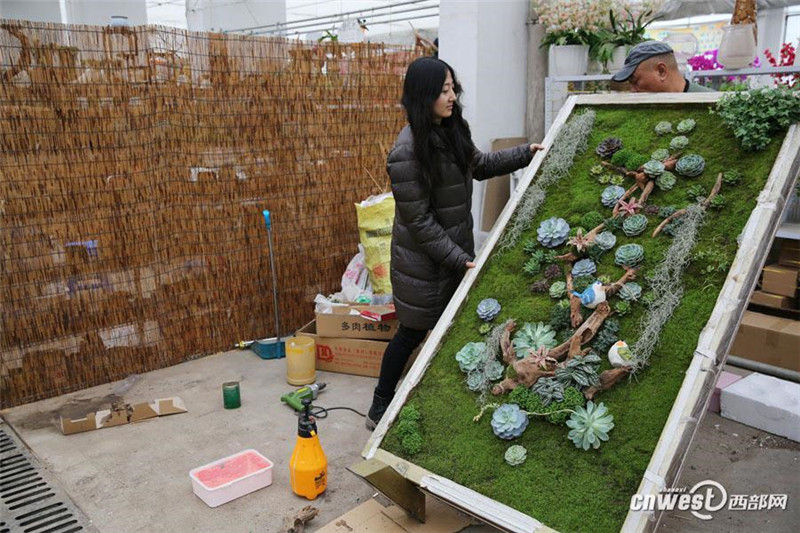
(308, 467)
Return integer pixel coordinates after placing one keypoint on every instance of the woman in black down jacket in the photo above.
(431, 166)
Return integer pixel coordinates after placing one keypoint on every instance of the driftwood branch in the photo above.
(647, 190)
(681, 212)
(608, 378)
(585, 332)
(506, 346)
(575, 316)
(629, 275)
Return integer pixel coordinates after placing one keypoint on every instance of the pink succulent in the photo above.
(629, 208)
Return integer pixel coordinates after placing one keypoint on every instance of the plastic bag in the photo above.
(375, 219)
(356, 286)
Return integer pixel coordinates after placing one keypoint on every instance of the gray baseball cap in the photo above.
(639, 53)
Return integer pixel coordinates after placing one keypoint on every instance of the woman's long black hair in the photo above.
(423, 84)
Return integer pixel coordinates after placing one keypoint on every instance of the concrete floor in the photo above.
(135, 477)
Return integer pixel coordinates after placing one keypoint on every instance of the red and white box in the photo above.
(232, 477)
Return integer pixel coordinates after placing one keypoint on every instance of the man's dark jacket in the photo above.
(432, 234)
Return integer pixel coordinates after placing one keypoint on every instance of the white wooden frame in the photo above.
(709, 356)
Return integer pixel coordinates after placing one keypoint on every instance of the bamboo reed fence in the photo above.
(134, 166)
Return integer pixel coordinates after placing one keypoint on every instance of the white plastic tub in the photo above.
(229, 478)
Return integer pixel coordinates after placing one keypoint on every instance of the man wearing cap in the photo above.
(651, 68)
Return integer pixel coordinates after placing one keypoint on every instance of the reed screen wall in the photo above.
(134, 166)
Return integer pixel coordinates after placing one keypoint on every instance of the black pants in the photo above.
(395, 358)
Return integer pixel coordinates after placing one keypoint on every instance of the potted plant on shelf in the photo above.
(626, 32)
(738, 45)
(570, 27)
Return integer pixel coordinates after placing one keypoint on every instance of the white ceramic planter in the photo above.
(738, 46)
(618, 59)
(568, 60)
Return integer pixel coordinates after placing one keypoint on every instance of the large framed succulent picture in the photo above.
(572, 366)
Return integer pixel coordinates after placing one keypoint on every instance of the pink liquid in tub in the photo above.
(229, 478)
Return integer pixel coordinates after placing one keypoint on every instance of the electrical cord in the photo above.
(321, 413)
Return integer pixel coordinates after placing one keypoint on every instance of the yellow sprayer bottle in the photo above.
(308, 467)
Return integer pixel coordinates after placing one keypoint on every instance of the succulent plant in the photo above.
(616, 180)
(666, 181)
(592, 219)
(605, 240)
(493, 370)
(718, 202)
(606, 336)
(622, 308)
(484, 328)
(559, 315)
(590, 425)
(664, 127)
(686, 125)
(584, 267)
(630, 291)
(604, 179)
(634, 225)
(553, 232)
(532, 267)
(614, 223)
(540, 285)
(508, 421)
(695, 192)
(580, 371)
(532, 337)
(611, 195)
(653, 168)
(679, 143)
(651, 209)
(515, 455)
(672, 227)
(660, 155)
(609, 147)
(476, 380)
(731, 177)
(471, 356)
(596, 170)
(629, 255)
(488, 309)
(549, 390)
(691, 165)
(581, 283)
(552, 271)
(558, 289)
(530, 246)
(666, 211)
(649, 298)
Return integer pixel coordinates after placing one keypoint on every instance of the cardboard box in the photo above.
(371, 517)
(768, 339)
(342, 324)
(775, 301)
(780, 280)
(361, 357)
(122, 413)
(789, 253)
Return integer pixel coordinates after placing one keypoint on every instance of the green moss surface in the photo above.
(562, 486)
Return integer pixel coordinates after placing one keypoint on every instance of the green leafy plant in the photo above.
(605, 179)
(549, 390)
(532, 336)
(558, 289)
(622, 308)
(616, 180)
(580, 371)
(756, 116)
(532, 267)
(718, 202)
(731, 177)
(408, 430)
(591, 219)
(596, 170)
(711, 260)
(484, 328)
(607, 335)
(590, 425)
(630, 30)
(559, 315)
(695, 192)
(629, 159)
(530, 246)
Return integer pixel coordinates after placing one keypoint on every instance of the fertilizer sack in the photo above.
(375, 219)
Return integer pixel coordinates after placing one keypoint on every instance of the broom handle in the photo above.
(268, 221)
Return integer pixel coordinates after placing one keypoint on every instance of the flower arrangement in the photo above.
(787, 56)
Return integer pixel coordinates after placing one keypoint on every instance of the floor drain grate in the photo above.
(30, 502)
